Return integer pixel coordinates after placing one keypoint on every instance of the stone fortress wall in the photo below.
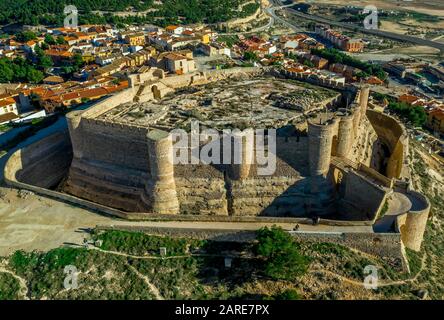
(347, 138)
(123, 166)
(243, 193)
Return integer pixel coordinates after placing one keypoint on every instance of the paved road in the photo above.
(271, 11)
(379, 33)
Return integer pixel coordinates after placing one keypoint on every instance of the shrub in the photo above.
(139, 243)
(9, 287)
(289, 294)
(282, 257)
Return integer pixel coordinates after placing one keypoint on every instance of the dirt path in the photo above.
(152, 287)
(380, 283)
(123, 254)
(39, 223)
(331, 273)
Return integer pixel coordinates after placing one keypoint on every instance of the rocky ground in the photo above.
(257, 102)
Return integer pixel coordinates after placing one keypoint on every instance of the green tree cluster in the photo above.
(336, 56)
(25, 36)
(281, 253)
(49, 39)
(250, 56)
(50, 12)
(415, 114)
(19, 70)
(43, 61)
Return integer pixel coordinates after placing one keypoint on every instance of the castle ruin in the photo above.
(335, 158)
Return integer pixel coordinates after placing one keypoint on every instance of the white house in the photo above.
(7, 105)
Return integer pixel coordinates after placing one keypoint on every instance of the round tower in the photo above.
(160, 191)
(363, 100)
(73, 119)
(320, 193)
(320, 138)
(412, 232)
(345, 134)
(243, 149)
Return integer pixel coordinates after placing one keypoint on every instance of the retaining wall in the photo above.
(365, 197)
(42, 164)
(394, 136)
(384, 245)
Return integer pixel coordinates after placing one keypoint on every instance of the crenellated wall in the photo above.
(125, 148)
(125, 166)
(235, 189)
(127, 180)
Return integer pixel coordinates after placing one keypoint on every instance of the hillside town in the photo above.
(221, 149)
(104, 56)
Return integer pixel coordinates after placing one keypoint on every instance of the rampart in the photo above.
(323, 82)
(114, 163)
(120, 168)
(43, 164)
(393, 135)
(412, 224)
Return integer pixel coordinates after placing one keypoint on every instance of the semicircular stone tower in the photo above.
(320, 138)
(160, 191)
(345, 134)
(321, 131)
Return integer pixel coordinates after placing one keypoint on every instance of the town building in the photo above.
(339, 40)
(135, 39)
(179, 64)
(435, 121)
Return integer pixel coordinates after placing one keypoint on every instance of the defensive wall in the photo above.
(42, 164)
(242, 192)
(120, 169)
(412, 224)
(314, 79)
(18, 165)
(393, 135)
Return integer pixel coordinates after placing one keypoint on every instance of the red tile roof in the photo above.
(6, 102)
